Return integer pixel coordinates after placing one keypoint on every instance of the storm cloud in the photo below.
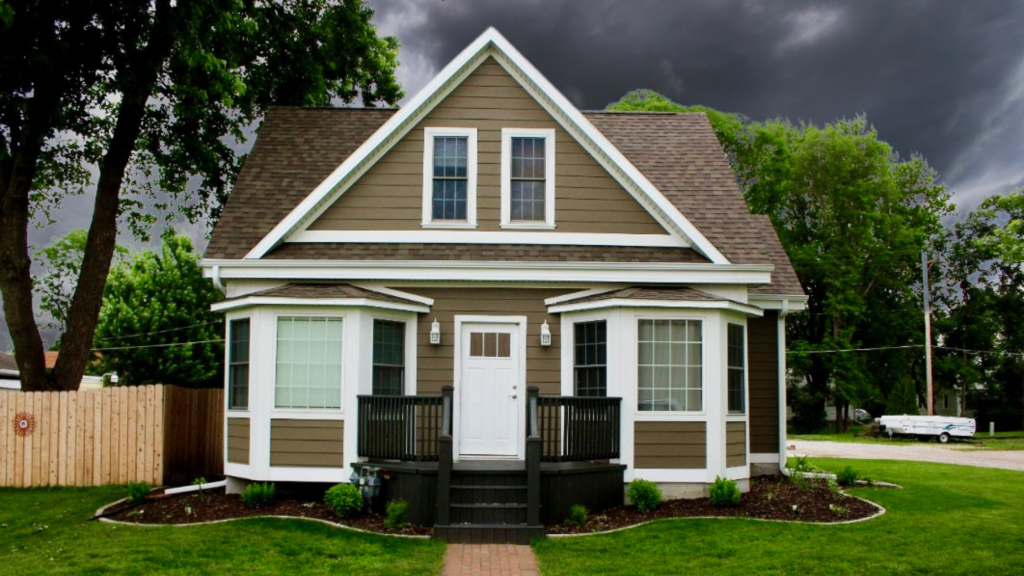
(943, 79)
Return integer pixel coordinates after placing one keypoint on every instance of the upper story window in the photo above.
(449, 177)
(527, 178)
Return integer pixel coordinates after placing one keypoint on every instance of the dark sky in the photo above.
(944, 78)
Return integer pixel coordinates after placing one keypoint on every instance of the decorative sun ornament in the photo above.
(24, 423)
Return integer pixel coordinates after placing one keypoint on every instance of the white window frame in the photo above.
(411, 326)
(346, 318)
(429, 134)
(236, 412)
(664, 415)
(740, 415)
(549, 177)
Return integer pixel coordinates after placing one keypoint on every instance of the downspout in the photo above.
(781, 339)
(216, 281)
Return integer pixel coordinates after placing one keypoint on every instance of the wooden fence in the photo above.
(157, 434)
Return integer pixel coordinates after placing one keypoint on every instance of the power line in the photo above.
(881, 348)
(159, 331)
(172, 344)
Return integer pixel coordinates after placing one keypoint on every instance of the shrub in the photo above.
(800, 480)
(724, 493)
(577, 515)
(394, 517)
(645, 495)
(344, 499)
(803, 465)
(847, 477)
(137, 491)
(872, 430)
(258, 495)
(833, 487)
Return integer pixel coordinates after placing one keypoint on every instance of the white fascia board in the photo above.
(562, 104)
(396, 293)
(469, 58)
(796, 303)
(458, 270)
(636, 303)
(349, 302)
(582, 294)
(361, 154)
(475, 237)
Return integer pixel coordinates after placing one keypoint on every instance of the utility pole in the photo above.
(927, 332)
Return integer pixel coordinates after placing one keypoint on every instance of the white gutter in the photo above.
(782, 386)
(216, 281)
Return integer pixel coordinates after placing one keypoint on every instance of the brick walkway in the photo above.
(490, 560)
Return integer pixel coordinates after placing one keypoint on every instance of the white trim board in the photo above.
(490, 43)
(447, 234)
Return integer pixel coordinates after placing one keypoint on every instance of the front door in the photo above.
(490, 391)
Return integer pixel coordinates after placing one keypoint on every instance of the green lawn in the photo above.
(981, 440)
(946, 520)
(46, 531)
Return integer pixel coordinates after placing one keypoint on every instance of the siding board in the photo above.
(670, 445)
(238, 440)
(764, 383)
(390, 195)
(312, 443)
(735, 444)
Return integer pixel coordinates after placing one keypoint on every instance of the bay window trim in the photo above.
(429, 135)
(507, 134)
(346, 323)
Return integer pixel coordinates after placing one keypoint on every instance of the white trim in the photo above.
(306, 474)
(396, 293)
(429, 134)
(694, 475)
(284, 301)
(459, 320)
(737, 472)
(446, 235)
(582, 294)
(678, 304)
(502, 271)
(507, 134)
(791, 302)
(549, 97)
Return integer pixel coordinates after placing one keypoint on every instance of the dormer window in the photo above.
(527, 178)
(449, 178)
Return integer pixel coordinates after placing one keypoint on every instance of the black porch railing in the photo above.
(578, 428)
(405, 428)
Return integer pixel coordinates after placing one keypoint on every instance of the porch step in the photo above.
(487, 514)
(484, 494)
(487, 533)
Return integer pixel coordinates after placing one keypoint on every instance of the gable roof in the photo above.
(7, 362)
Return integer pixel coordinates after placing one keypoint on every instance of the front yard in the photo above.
(946, 520)
(46, 531)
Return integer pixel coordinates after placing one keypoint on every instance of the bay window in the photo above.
(308, 363)
(670, 366)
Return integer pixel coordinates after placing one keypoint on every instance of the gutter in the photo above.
(216, 281)
(782, 386)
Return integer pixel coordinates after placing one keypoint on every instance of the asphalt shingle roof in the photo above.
(325, 291)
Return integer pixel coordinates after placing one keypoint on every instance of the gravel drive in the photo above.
(1006, 459)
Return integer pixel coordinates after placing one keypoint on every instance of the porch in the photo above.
(569, 445)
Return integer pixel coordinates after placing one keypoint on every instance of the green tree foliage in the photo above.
(62, 262)
(854, 219)
(146, 101)
(161, 298)
(903, 398)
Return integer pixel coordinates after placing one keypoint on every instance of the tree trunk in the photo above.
(76, 342)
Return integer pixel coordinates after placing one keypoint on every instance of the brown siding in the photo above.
(763, 354)
(307, 442)
(390, 195)
(238, 440)
(670, 445)
(735, 444)
(436, 363)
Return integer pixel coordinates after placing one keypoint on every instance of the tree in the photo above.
(854, 219)
(153, 307)
(153, 95)
(62, 260)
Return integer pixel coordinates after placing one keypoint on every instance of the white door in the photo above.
(490, 391)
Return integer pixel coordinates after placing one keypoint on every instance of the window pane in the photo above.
(388, 357)
(450, 178)
(527, 196)
(735, 363)
(590, 371)
(238, 364)
(308, 363)
(669, 365)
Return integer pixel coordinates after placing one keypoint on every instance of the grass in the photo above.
(947, 520)
(46, 531)
(981, 440)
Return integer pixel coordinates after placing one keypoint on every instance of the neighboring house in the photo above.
(490, 237)
(10, 378)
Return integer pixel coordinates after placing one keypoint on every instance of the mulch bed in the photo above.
(214, 505)
(770, 498)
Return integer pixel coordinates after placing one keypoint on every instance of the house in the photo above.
(491, 287)
(10, 377)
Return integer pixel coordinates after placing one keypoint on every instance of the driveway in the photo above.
(1006, 459)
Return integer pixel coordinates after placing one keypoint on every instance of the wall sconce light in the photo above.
(545, 334)
(435, 332)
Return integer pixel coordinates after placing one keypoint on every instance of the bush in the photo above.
(577, 515)
(645, 495)
(137, 491)
(344, 499)
(258, 495)
(394, 517)
(871, 430)
(848, 476)
(800, 480)
(724, 493)
(833, 487)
